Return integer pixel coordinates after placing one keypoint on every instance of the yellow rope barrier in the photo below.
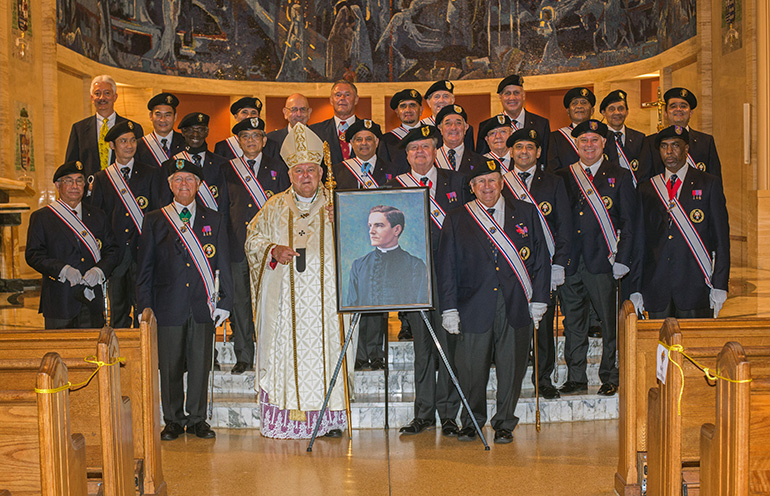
(706, 371)
(89, 359)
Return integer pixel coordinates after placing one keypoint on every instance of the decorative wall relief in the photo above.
(732, 25)
(370, 40)
(21, 29)
(25, 152)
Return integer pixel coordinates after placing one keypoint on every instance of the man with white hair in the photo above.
(86, 142)
(290, 249)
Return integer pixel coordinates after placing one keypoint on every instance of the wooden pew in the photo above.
(674, 439)
(38, 453)
(637, 345)
(735, 450)
(102, 399)
(138, 381)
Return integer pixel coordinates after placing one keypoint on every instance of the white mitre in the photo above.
(302, 146)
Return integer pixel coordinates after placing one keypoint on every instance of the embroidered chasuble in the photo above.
(298, 336)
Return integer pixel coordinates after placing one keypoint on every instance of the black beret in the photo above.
(121, 128)
(246, 102)
(491, 165)
(579, 92)
(194, 119)
(682, 93)
(248, 124)
(524, 134)
(440, 86)
(163, 99)
(451, 109)
(74, 167)
(403, 95)
(614, 97)
(500, 120)
(590, 126)
(672, 132)
(363, 125)
(513, 79)
(420, 133)
(174, 165)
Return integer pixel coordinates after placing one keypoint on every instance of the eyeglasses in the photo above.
(251, 137)
(68, 181)
(297, 110)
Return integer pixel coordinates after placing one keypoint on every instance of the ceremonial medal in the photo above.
(701, 166)
(522, 230)
(268, 193)
(209, 250)
(697, 194)
(634, 164)
(607, 202)
(123, 191)
(697, 215)
(214, 190)
(99, 243)
(524, 252)
(274, 174)
(248, 178)
(142, 202)
(451, 196)
(545, 207)
(207, 230)
(611, 181)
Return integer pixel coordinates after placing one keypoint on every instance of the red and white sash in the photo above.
(158, 153)
(355, 165)
(64, 212)
(624, 162)
(249, 180)
(234, 145)
(437, 213)
(567, 132)
(497, 235)
(400, 132)
(598, 208)
(522, 193)
(204, 192)
(126, 195)
(491, 154)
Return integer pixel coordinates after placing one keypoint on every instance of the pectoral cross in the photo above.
(660, 103)
(301, 233)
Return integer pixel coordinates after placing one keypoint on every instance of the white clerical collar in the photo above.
(191, 208)
(350, 120)
(386, 250)
(680, 174)
(594, 168)
(304, 199)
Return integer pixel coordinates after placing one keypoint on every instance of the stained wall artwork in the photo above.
(371, 40)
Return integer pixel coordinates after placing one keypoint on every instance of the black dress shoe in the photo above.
(171, 431)
(334, 433)
(595, 332)
(377, 364)
(467, 434)
(362, 365)
(572, 387)
(548, 392)
(405, 334)
(503, 436)
(202, 430)
(608, 389)
(240, 367)
(417, 425)
(449, 427)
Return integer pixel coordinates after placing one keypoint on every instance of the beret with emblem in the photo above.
(174, 165)
(614, 97)
(194, 119)
(524, 134)
(682, 93)
(440, 86)
(489, 166)
(513, 79)
(404, 95)
(121, 128)
(249, 124)
(363, 125)
(420, 133)
(579, 92)
(163, 99)
(498, 121)
(67, 168)
(246, 102)
(590, 126)
(449, 110)
(672, 132)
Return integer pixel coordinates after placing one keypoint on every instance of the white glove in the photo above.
(537, 310)
(638, 301)
(220, 316)
(619, 270)
(93, 276)
(89, 294)
(557, 276)
(71, 275)
(717, 298)
(139, 319)
(450, 321)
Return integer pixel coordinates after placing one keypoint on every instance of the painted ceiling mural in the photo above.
(370, 40)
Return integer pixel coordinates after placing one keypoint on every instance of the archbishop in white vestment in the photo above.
(290, 250)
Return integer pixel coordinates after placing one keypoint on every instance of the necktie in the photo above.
(451, 154)
(524, 176)
(185, 215)
(251, 166)
(75, 213)
(491, 212)
(197, 159)
(344, 145)
(673, 186)
(104, 148)
(164, 144)
(426, 182)
(515, 125)
(125, 171)
(619, 137)
(589, 174)
(366, 168)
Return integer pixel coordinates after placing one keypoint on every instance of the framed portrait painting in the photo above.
(383, 250)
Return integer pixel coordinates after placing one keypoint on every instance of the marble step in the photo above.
(240, 410)
(400, 380)
(402, 352)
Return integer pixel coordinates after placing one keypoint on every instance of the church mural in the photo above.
(370, 40)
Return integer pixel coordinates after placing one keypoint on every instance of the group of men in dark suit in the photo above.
(521, 217)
